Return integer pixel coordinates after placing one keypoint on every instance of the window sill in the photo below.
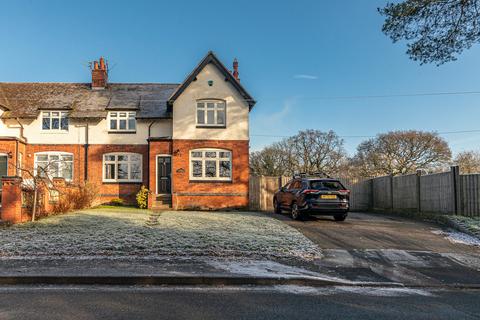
(204, 126)
(122, 182)
(54, 131)
(210, 181)
(121, 132)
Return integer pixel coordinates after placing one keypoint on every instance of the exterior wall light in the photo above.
(210, 83)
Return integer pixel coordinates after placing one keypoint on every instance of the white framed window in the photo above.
(54, 121)
(211, 164)
(122, 167)
(54, 164)
(122, 121)
(211, 113)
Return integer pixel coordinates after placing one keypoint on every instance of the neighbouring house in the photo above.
(188, 142)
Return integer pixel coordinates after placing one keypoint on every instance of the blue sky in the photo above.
(292, 54)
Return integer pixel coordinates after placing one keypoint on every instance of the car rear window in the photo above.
(326, 185)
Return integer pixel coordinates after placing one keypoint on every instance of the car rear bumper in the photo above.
(325, 208)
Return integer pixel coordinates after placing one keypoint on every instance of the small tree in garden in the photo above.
(142, 197)
(37, 178)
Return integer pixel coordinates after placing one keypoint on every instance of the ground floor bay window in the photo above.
(54, 164)
(122, 167)
(211, 165)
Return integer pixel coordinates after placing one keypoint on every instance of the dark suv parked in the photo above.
(313, 195)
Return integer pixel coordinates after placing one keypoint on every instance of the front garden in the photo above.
(122, 232)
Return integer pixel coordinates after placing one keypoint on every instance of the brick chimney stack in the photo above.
(99, 74)
(235, 70)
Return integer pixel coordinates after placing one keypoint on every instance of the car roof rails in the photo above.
(311, 175)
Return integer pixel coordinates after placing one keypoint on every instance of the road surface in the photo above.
(78, 303)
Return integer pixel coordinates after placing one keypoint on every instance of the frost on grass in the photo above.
(458, 237)
(120, 232)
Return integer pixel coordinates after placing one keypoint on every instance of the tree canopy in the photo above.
(308, 151)
(468, 161)
(401, 152)
(435, 30)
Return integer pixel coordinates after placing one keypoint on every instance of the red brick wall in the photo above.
(109, 191)
(210, 195)
(10, 148)
(76, 149)
(106, 191)
(12, 201)
(186, 194)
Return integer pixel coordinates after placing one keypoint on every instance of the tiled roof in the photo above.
(24, 100)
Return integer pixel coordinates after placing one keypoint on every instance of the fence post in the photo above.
(371, 198)
(455, 170)
(391, 192)
(418, 191)
(263, 201)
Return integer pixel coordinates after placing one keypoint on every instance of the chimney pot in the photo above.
(235, 70)
(102, 63)
(99, 74)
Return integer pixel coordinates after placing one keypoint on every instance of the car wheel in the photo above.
(340, 217)
(295, 212)
(276, 206)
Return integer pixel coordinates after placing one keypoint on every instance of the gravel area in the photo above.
(116, 232)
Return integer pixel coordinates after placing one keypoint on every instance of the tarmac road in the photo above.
(118, 303)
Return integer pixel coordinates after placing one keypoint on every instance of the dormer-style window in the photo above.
(54, 121)
(119, 121)
(211, 113)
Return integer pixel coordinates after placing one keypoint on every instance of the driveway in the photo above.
(375, 247)
(376, 231)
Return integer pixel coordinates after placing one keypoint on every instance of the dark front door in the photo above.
(164, 175)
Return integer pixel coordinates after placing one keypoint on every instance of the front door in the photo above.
(164, 175)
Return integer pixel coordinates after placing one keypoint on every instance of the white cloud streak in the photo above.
(305, 77)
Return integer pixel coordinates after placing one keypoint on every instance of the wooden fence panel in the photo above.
(382, 193)
(360, 193)
(470, 195)
(405, 192)
(436, 192)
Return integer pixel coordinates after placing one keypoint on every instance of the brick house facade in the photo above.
(188, 143)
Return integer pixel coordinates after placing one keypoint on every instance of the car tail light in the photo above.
(344, 191)
(310, 191)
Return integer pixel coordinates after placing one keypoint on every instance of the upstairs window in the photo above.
(211, 113)
(54, 121)
(210, 164)
(54, 164)
(122, 167)
(121, 121)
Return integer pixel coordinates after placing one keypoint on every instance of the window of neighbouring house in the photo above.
(121, 121)
(211, 164)
(54, 121)
(211, 113)
(54, 165)
(122, 167)
(20, 164)
(3, 165)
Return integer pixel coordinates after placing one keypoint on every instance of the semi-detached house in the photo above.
(188, 142)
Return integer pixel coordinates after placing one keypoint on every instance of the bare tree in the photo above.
(468, 161)
(401, 152)
(308, 151)
(37, 178)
